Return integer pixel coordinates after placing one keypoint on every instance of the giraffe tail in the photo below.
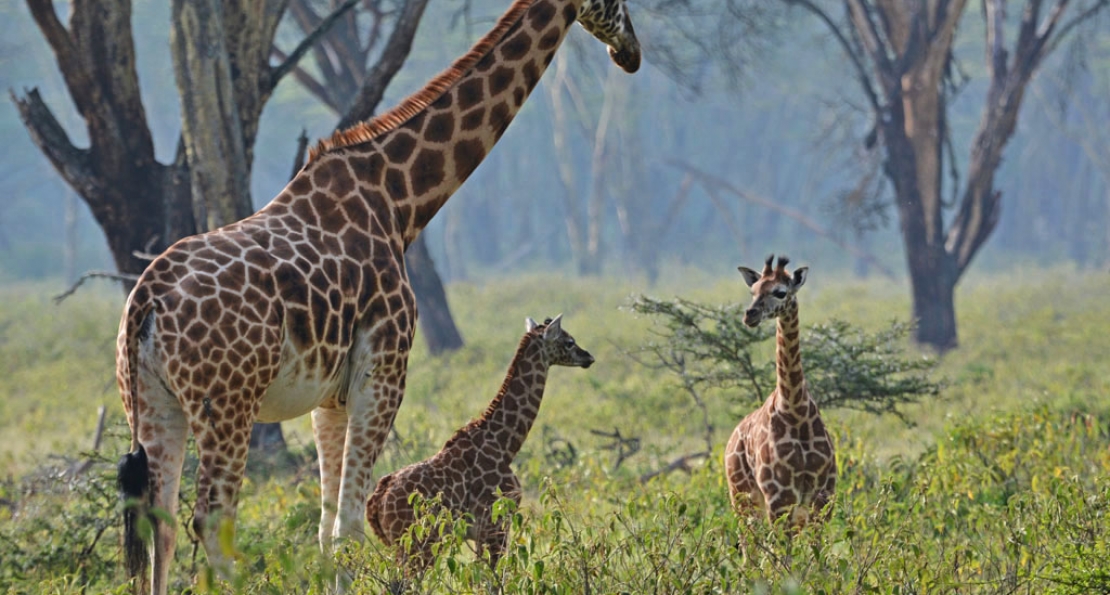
(133, 481)
(133, 469)
(374, 507)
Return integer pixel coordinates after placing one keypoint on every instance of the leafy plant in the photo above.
(710, 347)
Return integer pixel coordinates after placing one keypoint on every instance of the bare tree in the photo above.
(221, 54)
(902, 57)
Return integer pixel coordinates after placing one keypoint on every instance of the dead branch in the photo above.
(91, 274)
(78, 469)
(710, 181)
(306, 44)
(625, 446)
(298, 157)
(680, 464)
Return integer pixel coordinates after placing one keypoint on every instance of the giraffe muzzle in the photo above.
(752, 317)
(627, 58)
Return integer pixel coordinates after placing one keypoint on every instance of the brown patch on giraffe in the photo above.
(550, 40)
(440, 128)
(541, 14)
(427, 171)
(473, 119)
(500, 79)
(470, 93)
(369, 168)
(570, 14)
(516, 47)
(399, 148)
(468, 154)
(395, 184)
(301, 185)
(531, 74)
(499, 118)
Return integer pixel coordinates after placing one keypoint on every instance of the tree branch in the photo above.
(873, 44)
(680, 464)
(279, 71)
(89, 275)
(711, 180)
(48, 134)
(309, 82)
(861, 71)
(1069, 26)
(393, 56)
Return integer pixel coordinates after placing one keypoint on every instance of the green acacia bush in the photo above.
(709, 347)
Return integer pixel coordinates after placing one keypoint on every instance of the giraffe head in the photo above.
(608, 21)
(557, 347)
(773, 289)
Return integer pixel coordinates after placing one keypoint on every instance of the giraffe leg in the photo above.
(378, 385)
(371, 410)
(166, 459)
(163, 432)
(329, 426)
(743, 491)
(496, 537)
(222, 438)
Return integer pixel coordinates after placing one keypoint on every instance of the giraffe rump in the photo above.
(418, 101)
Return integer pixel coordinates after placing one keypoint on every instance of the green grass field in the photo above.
(999, 486)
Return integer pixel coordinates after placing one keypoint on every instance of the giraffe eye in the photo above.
(570, 342)
(779, 293)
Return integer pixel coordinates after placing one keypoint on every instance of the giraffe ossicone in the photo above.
(474, 467)
(306, 306)
(780, 457)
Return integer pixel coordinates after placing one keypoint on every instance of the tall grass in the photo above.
(999, 487)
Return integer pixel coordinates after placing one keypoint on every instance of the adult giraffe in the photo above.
(305, 306)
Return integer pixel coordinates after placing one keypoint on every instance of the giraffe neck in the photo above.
(788, 360)
(429, 155)
(509, 417)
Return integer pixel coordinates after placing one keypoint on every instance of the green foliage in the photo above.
(1001, 487)
(710, 346)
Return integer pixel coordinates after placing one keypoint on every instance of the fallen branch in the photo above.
(680, 464)
(625, 446)
(91, 274)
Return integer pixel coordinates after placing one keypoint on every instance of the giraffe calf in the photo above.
(474, 466)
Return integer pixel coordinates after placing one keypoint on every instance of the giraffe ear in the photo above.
(800, 276)
(529, 325)
(750, 276)
(553, 327)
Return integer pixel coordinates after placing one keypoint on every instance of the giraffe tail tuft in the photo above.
(374, 507)
(133, 482)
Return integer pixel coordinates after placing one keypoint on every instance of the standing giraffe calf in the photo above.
(780, 457)
(474, 464)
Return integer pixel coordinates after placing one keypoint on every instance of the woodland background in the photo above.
(745, 132)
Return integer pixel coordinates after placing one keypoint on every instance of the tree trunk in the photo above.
(431, 301)
(211, 128)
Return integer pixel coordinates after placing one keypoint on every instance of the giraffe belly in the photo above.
(293, 396)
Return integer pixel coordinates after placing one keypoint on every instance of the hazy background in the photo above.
(786, 131)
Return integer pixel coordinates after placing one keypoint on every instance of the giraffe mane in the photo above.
(415, 103)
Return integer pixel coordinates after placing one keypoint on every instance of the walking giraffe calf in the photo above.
(780, 457)
(475, 464)
(306, 306)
